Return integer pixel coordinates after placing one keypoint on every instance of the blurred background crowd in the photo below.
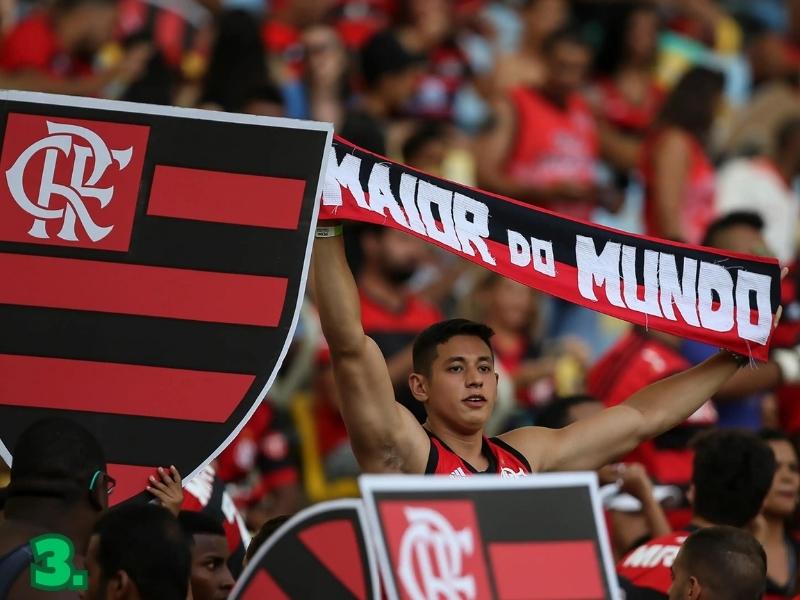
(674, 118)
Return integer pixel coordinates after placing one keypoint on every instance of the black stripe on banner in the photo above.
(162, 242)
(169, 441)
(150, 341)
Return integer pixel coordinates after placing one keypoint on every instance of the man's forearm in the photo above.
(336, 296)
(669, 402)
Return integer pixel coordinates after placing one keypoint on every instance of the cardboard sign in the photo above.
(153, 262)
(321, 552)
(474, 538)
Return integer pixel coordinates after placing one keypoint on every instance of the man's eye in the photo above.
(484, 369)
(454, 369)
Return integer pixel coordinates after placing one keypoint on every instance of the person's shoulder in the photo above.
(29, 43)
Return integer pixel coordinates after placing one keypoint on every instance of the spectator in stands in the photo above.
(206, 493)
(542, 146)
(765, 185)
(391, 314)
(210, 579)
(389, 73)
(719, 562)
(626, 97)
(733, 472)
(783, 551)
(237, 65)
(430, 28)
(640, 358)
(739, 401)
(53, 50)
(678, 174)
(325, 84)
(261, 464)
(138, 552)
(59, 484)
(528, 65)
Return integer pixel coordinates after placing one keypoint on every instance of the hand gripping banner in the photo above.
(721, 298)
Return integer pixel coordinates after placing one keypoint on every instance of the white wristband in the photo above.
(788, 361)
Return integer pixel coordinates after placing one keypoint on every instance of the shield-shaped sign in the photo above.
(153, 261)
(321, 552)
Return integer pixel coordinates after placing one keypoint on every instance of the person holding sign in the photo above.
(455, 380)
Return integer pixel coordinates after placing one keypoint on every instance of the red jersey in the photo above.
(648, 566)
(554, 145)
(622, 113)
(697, 207)
(263, 445)
(634, 362)
(32, 45)
(503, 460)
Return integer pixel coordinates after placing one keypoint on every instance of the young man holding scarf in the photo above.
(454, 378)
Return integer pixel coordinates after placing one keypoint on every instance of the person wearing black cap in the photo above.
(389, 72)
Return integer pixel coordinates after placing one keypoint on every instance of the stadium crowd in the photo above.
(679, 119)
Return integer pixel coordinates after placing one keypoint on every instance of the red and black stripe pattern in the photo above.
(321, 552)
(405, 185)
(162, 351)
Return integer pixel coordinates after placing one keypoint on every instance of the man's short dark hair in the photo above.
(734, 219)
(266, 531)
(146, 542)
(556, 414)
(424, 350)
(733, 472)
(728, 562)
(785, 133)
(55, 457)
(428, 131)
(565, 35)
(384, 54)
(195, 522)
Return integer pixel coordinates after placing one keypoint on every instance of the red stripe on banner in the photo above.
(130, 480)
(232, 198)
(262, 587)
(110, 388)
(141, 290)
(546, 571)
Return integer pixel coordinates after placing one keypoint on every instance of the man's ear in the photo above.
(120, 585)
(694, 588)
(98, 497)
(690, 494)
(419, 386)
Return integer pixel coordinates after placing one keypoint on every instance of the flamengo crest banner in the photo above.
(538, 538)
(153, 262)
(720, 298)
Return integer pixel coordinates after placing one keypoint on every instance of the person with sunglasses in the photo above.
(59, 485)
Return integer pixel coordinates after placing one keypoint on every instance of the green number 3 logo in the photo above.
(52, 569)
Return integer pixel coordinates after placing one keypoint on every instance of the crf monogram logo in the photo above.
(431, 558)
(80, 144)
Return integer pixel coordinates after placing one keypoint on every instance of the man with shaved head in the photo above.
(719, 563)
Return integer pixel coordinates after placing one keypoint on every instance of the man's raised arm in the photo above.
(595, 441)
(386, 438)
